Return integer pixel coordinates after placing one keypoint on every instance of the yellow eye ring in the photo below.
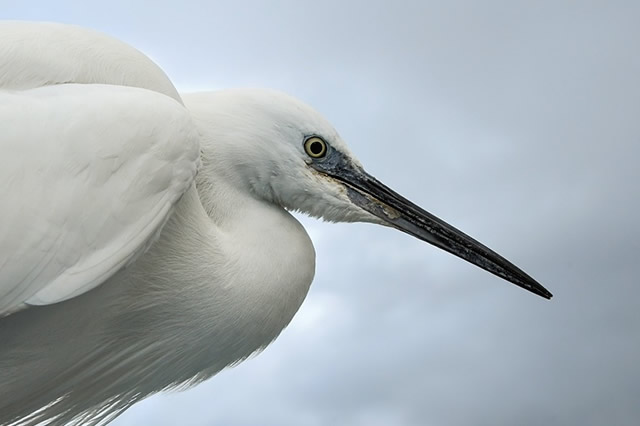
(315, 147)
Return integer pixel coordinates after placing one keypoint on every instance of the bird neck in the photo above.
(226, 195)
(255, 235)
(260, 261)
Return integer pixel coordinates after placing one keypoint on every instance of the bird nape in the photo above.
(165, 250)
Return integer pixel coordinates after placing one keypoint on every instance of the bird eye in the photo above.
(315, 147)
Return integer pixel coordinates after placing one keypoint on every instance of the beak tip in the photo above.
(547, 295)
(539, 290)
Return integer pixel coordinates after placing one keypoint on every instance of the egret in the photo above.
(146, 240)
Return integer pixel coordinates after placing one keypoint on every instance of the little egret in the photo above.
(146, 239)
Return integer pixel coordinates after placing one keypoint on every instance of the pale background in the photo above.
(517, 121)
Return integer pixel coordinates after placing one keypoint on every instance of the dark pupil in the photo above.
(316, 148)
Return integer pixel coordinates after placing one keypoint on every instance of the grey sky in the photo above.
(517, 122)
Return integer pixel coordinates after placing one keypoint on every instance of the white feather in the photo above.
(36, 54)
(89, 174)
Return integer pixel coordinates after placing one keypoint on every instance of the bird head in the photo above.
(284, 152)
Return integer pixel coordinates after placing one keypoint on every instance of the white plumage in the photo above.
(79, 206)
(153, 229)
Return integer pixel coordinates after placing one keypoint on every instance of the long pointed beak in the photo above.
(373, 196)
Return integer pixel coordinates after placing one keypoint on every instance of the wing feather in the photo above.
(88, 176)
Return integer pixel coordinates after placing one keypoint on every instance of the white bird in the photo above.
(145, 238)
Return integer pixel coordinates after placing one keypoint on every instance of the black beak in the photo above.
(373, 196)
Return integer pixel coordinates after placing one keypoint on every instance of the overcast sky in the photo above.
(516, 121)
